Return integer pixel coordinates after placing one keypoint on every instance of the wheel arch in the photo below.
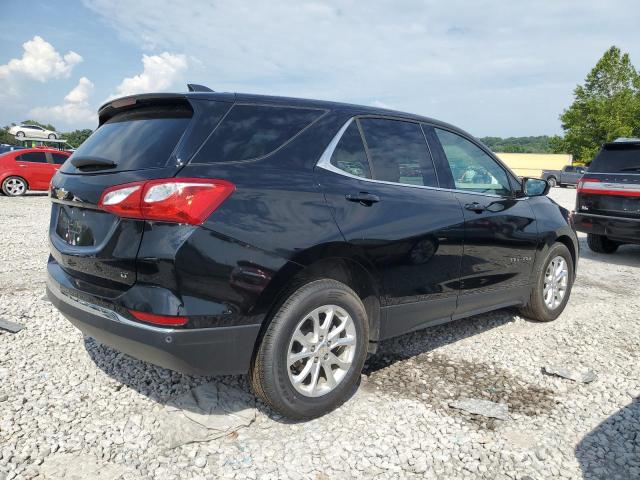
(343, 269)
(566, 240)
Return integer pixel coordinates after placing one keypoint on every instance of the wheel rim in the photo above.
(556, 279)
(15, 186)
(321, 350)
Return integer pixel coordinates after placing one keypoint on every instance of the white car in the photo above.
(32, 131)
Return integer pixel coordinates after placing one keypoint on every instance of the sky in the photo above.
(498, 68)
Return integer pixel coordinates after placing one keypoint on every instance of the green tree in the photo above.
(76, 137)
(606, 106)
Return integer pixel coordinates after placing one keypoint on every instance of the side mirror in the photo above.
(534, 187)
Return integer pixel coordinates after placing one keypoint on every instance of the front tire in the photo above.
(52, 136)
(14, 186)
(552, 288)
(311, 355)
(20, 134)
(601, 244)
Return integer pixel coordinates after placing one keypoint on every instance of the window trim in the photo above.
(323, 113)
(324, 161)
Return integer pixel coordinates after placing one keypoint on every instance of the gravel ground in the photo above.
(71, 408)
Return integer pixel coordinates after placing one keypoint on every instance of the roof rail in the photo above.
(194, 87)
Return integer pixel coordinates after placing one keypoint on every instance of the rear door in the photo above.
(500, 231)
(381, 183)
(151, 139)
(36, 169)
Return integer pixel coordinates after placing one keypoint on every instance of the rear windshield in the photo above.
(617, 160)
(137, 139)
(253, 131)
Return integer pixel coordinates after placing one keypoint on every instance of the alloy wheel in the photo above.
(556, 279)
(321, 350)
(15, 187)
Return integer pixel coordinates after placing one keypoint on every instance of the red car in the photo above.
(29, 169)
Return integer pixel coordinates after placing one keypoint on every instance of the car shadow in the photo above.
(610, 450)
(626, 255)
(422, 341)
(164, 386)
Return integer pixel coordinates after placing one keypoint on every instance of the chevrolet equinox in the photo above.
(215, 233)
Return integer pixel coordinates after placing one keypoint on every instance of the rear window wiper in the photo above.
(92, 162)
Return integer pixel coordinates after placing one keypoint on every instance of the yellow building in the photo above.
(532, 164)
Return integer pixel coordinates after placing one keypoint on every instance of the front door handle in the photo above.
(364, 198)
(475, 207)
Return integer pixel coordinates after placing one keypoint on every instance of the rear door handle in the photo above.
(363, 198)
(475, 207)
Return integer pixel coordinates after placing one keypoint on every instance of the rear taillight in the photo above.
(597, 187)
(164, 320)
(178, 200)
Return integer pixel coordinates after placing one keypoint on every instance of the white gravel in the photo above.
(70, 407)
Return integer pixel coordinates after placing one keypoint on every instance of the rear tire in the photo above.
(552, 181)
(20, 134)
(14, 186)
(52, 136)
(538, 307)
(601, 244)
(287, 385)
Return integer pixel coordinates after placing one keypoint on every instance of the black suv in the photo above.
(215, 233)
(608, 197)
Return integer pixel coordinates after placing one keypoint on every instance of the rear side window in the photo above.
(253, 131)
(617, 160)
(398, 152)
(349, 155)
(58, 158)
(35, 157)
(138, 139)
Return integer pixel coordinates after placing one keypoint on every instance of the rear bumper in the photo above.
(616, 228)
(203, 351)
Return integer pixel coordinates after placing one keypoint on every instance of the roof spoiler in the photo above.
(194, 87)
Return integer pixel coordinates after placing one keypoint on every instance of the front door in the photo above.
(500, 230)
(384, 198)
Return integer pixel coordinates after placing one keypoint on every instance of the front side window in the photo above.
(34, 157)
(253, 131)
(398, 152)
(349, 155)
(472, 168)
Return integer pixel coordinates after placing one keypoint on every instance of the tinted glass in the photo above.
(568, 169)
(350, 155)
(58, 158)
(138, 139)
(398, 152)
(472, 168)
(253, 131)
(37, 157)
(617, 160)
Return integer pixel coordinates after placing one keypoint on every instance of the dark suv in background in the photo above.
(608, 197)
(219, 233)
